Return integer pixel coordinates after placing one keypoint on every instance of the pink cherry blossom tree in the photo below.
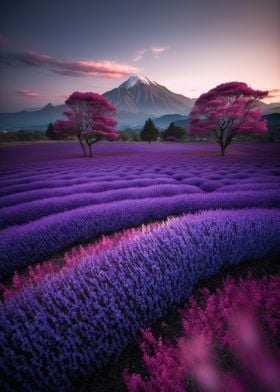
(227, 110)
(89, 118)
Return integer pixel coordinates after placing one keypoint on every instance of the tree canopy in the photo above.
(226, 110)
(173, 132)
(89, 118)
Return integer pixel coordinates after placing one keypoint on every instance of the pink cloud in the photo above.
(139, 54)
(274, 93)
(76, 68)
(27, 93)
(158, 51)
(272, 96)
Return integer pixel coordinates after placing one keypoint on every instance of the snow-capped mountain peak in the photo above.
(134, 80)
(139, 94)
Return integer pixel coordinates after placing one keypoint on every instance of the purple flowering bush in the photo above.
(79, 318)
(35, 273)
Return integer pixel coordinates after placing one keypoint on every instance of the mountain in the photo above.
(35, 119)
(139, 98)
(272, 108)
(269, 108)
(164, 121)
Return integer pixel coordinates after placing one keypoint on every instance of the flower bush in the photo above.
(79, 318)
(225, 319)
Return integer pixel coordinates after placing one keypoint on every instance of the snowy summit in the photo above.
(134, 80)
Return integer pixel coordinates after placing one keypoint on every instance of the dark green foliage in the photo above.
(21, 136)
(52, 135)
(124, 136)
(273, 126)
(149, 133)
(50, 132)
(130, 135)
(174, 131)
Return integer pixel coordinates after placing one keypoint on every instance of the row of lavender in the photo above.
(216, 324)
(101, 181)
(49, 334)
(36, 273)
(25, 244)
(25, 210)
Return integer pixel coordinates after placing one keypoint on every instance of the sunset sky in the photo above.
(51, 48)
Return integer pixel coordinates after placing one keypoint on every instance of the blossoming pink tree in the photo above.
(89, 117)
(227, 110)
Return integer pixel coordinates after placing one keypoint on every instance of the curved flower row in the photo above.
(23, 245)
(22, 213)
(48, 192)
(77, 320)
(33, 210)
(36, 273)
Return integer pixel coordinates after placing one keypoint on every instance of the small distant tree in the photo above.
(50, 133)
(227, 110)
(89, 118)
(149, 133)
(174, 131)
(124, 136)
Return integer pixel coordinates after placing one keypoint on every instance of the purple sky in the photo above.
(51, 48)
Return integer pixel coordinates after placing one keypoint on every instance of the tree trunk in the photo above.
(223, 148)
(90, 150)
(82, 146)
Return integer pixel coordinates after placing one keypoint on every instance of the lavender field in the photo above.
(93, 250)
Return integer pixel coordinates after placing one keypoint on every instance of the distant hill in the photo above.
(164, 121)
(272, 109)
(182, 123)
(35, 119)
(269, 108)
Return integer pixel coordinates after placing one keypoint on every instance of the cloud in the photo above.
(27, 93)
(158, 51)
(272, 96)
(76, 68)
(274, 93)
(139, 54)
